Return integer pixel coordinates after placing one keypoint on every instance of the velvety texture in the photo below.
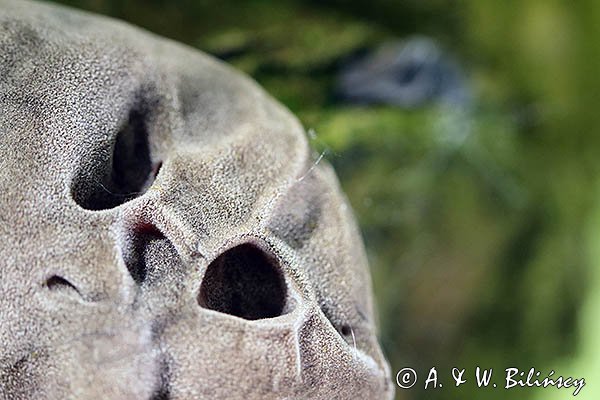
(165, 231)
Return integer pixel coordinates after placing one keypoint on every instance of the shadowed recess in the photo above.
(135, 257)
(126, 174)
(244, 282)
(58, 283)
(162, 391)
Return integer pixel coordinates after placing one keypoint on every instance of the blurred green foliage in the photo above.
(479, 224)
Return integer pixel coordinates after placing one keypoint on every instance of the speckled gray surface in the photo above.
(163, 232)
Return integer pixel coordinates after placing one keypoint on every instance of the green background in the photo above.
(482, 227)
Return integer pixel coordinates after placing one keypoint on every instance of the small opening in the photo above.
(135, 257)
(125, 174)
(340, 324)
(58, 283)
(244, 282)
(345, 330)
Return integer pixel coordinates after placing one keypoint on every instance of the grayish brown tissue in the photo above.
(164, 233)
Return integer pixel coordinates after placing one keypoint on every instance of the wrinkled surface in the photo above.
(131, 166)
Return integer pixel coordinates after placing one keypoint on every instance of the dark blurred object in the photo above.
(408, 74)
